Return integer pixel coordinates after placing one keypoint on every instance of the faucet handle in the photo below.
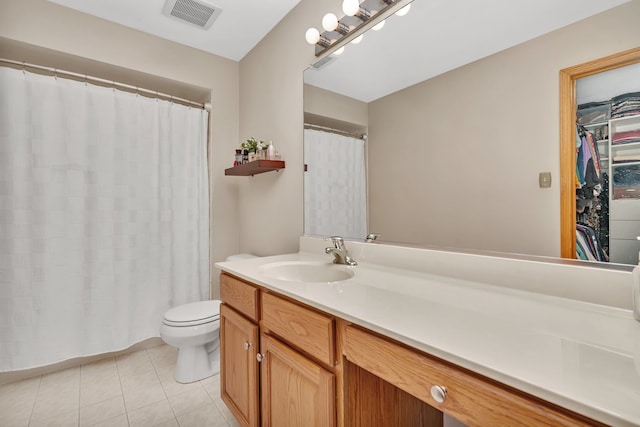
(371, 237)
(338, 242)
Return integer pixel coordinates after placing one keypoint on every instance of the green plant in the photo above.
(253, 145)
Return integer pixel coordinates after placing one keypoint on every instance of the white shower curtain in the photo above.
(104, 219)
(335, 189)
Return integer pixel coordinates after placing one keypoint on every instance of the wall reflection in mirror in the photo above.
(452, 157)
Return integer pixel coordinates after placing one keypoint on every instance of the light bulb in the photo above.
(378, 26)
(312, 36)
(350, 7)
(339, 51)
(357, 39)
(404, 10)
(330, 22)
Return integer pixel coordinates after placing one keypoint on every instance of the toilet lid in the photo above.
(195, 313)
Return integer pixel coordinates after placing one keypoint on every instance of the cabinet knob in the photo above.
(247, 345)
(439, 393)
(260, 357)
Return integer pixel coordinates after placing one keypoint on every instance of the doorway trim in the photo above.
(568, 108)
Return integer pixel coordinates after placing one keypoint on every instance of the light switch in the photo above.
(544, 179)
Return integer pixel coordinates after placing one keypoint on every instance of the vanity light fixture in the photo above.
(404, 10)
(378, 26)
(312, 36)
(350, 7)
(358, 18)
(330, 22)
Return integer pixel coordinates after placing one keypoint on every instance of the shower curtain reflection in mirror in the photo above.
(103, 217)
(334, 185)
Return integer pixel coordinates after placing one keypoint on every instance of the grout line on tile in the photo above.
(126, 410)
(155, 369)
(35, 399)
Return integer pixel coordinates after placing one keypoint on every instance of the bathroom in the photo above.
(247, 213)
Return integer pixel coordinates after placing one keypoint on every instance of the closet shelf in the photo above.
(595, 125)
(631, 144)
(255, 167)
(618, 164)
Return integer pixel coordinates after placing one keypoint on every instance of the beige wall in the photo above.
(475, 139)
(325, 108)
(271, 214)
(56, 28)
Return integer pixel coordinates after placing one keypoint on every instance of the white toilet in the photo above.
(194, 329)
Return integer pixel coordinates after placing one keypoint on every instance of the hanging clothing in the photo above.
(587, 244)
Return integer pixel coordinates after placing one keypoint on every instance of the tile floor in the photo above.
(135, 389)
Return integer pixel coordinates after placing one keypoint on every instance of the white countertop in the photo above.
(578, 355)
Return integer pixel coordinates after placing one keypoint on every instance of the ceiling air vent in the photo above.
(197, 13)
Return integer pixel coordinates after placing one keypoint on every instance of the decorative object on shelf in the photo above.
(255, 149)
(358, 18)
(271, 152)
(252, 145)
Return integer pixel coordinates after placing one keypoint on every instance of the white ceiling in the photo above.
(437, 36)
(240, 26)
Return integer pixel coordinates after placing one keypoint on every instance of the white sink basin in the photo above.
(307, 271)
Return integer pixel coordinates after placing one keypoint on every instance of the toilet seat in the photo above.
(193, 314)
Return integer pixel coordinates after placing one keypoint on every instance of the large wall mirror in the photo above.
(456, 127)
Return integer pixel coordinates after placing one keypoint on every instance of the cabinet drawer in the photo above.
(308, 330)
(474, 400)
(240, 295)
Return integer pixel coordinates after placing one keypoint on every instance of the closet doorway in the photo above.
(568, 109)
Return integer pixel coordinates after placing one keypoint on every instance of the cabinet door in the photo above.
(238, 366)
(295, 391)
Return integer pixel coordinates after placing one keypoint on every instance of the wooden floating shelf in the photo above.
(255, 167)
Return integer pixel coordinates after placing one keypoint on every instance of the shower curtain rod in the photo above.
(87, 78)
(338, 131)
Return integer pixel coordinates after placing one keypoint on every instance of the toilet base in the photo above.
(196, 363)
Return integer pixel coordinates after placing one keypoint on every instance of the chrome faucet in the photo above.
(339, 251)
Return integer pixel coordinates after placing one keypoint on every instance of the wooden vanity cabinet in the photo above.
(291, 381)
(295, 390)
(471, 398)
(238, 366)
(317, 370)
(239, 345)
